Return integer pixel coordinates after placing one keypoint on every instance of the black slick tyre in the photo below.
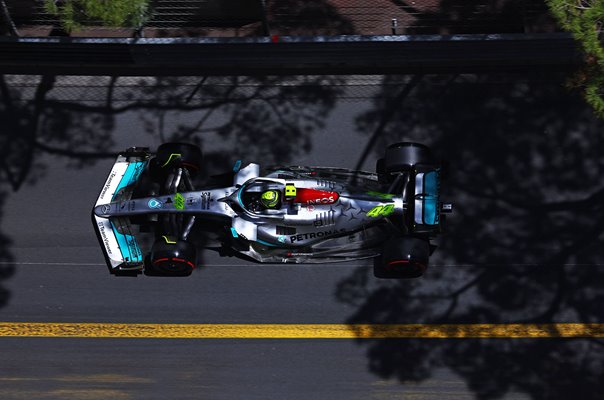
(380, 169)
(402, 258)
(177, 155)
(406, 155)
(171, 257)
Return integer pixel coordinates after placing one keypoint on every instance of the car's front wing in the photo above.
(119, 245)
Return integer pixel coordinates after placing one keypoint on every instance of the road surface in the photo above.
(502, 260)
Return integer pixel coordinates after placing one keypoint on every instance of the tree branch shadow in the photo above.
(268, 118)
(523, 245)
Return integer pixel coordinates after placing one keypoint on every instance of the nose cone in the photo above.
(103, 210)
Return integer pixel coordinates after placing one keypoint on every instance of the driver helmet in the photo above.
(270, 198)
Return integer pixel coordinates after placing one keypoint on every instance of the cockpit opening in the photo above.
(262, 196)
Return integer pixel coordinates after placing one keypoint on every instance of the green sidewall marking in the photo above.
(170, 158)
(168, 241)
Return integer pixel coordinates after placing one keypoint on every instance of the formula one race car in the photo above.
(278, 215)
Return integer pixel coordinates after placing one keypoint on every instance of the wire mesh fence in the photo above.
(101, 90)
(170, 18)
(192, 91)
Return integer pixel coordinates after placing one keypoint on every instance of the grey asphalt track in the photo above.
(60, 277)
(64, 282)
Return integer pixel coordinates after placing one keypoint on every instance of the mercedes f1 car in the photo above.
(276, 215)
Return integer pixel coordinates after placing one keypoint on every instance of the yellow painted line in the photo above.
(299, 331)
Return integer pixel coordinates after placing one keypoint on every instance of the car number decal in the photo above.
(383, 211)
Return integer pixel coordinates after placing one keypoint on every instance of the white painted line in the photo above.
(334, 264)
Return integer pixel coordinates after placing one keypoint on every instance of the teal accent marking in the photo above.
(239, 197)
(234, 232)
(430, 212)
(431, 198)
(237, 166)
(131, 175)
(128, 246)
(266, 243)
(154, 203)
(431, 183)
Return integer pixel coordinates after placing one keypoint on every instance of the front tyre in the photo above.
(171, 257)
(402, 258)
(177, 155)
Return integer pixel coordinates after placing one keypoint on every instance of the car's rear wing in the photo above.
(424, 203)
(115, 235)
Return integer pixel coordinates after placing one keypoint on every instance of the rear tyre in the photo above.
(381, 172)
(405, 155)
(171, 257)
(402, 258)
(176, 155)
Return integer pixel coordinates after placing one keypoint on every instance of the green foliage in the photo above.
(114, 13)
(584, 19)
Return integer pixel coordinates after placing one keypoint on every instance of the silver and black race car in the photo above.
(277, 215)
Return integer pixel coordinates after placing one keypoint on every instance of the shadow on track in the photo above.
(523, 245)
(267, 120)
(7, 268)
(263, 119)
(32, 128)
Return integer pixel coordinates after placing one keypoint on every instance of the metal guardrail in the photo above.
(288, 55)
